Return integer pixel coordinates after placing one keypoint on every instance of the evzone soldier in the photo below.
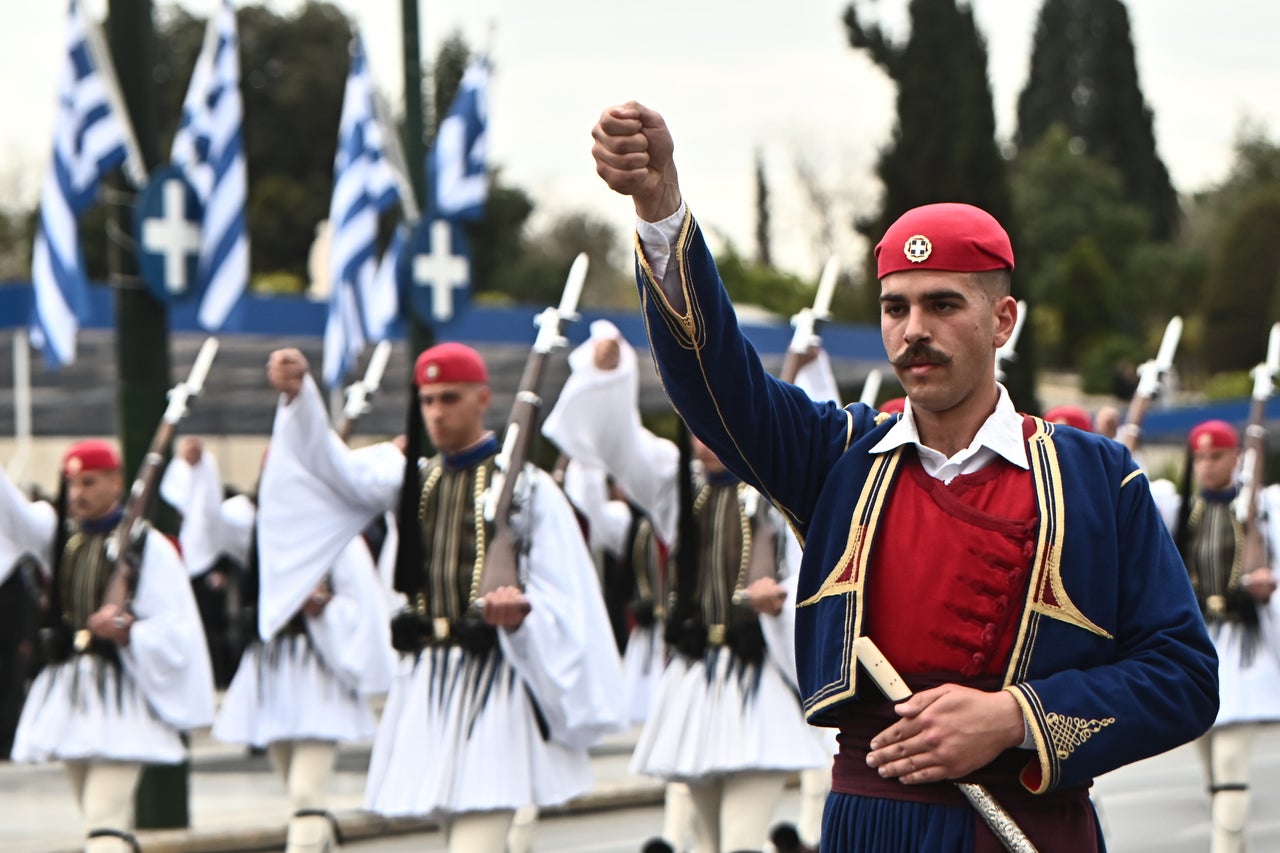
(725, 719)
(633, 542)
(319, 647)
(498, 696)
(1240, 611)
(120, 684)
(1062, 638)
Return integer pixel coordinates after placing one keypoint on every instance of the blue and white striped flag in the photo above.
(458, 162)
(364, 185)
(91, 136)
(209, 148)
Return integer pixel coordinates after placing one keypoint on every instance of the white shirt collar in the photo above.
(999, 435)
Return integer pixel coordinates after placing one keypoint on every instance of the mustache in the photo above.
(918, 353)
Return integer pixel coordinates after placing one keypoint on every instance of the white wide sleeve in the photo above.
(315, 495)
(166, 654)
(1168, 502)
(353, 633)
(196, 492)
(596, 419)
(780, 631)
(564, 649)
(26, 527)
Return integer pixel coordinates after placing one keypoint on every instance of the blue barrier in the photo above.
(295, 316)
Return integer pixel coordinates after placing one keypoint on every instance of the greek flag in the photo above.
(209, 148)
(91, 136)
(458, 160)
(364, 185)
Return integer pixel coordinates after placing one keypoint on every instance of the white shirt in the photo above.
(999, 435)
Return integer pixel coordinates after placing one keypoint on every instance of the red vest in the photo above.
(948, 579)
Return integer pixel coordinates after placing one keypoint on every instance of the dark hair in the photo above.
(997, 284)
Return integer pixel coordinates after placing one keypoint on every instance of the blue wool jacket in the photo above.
(1111, 661)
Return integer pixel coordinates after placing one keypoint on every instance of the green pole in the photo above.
(142, 336)
(418, 335)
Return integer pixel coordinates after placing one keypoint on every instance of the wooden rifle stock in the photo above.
(1131, 429)
(501, 566)
(502, 551)
(1255, 456)
(125, 546)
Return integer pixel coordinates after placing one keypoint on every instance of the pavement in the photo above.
(237, 803)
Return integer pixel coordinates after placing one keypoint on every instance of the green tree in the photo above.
(943, 147)
(1077, 234)
(1242, 298)
(764, 246)
(1083, 76)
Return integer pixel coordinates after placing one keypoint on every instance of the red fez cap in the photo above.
(1071, 416)
(1213, 435)
(897, 404)
(89, 455)
(951, 237)
(450, 362)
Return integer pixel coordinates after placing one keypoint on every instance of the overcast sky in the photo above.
(732, 77)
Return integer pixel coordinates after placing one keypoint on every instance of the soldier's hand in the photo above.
(607, 353)
(634, 155)
(286, 368)
(111, 623)
(318, 600)
(946, 732)
(765, 596)
(190, 449)
(505, 607)
(1260, 583)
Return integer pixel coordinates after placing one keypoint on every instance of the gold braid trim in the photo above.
(482, 479)
(744, 559)
(1067, 733)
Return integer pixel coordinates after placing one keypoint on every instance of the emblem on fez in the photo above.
(74, 464)
(918, 249)
(433, 370)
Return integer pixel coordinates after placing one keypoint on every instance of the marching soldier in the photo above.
(724, 723)
(1051, 637)
(1239, 611)
(319, 644)
(120, 684)
(498, 695)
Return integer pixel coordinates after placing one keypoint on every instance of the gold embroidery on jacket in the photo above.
(1068, 733)
(1047, 593)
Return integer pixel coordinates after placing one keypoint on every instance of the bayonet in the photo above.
(360, 393)
(871, 388)
(806, 321)
(1151, 377)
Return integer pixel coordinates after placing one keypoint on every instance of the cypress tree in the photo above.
(764, 245)
(943, 147)
(1084, 76)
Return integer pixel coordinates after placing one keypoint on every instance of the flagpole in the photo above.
(418, 334)
(141, 342)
